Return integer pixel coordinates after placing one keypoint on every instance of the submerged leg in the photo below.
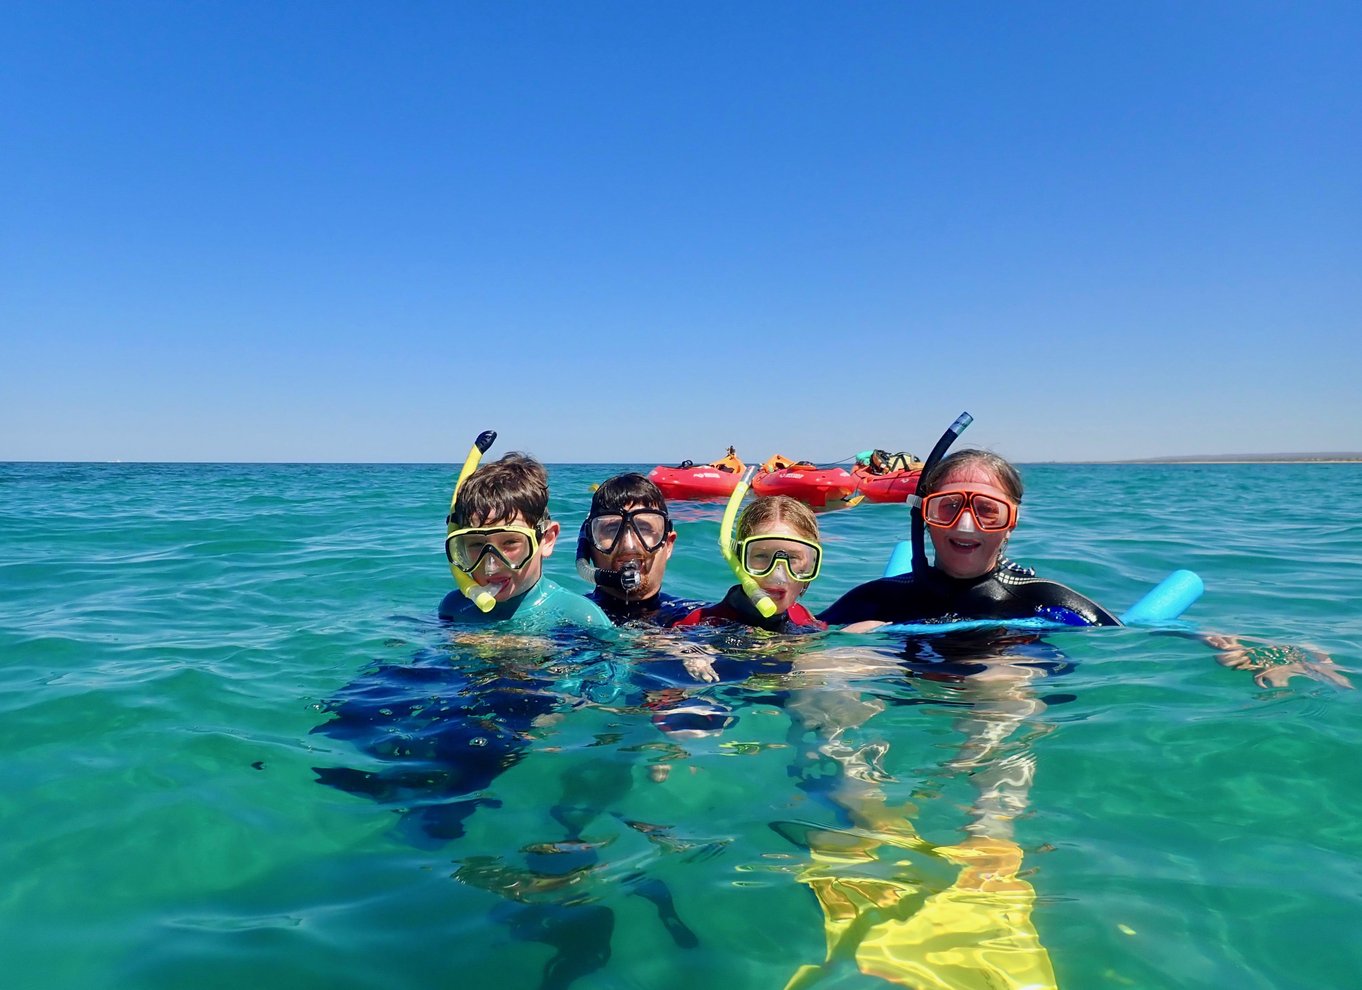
(581, 934)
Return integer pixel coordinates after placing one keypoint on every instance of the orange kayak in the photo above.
(817, 487)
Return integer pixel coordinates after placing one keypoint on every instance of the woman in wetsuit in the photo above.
(970, 503)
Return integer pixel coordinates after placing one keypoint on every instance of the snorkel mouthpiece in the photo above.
(627, 579)
(483, 599)
(760, 600)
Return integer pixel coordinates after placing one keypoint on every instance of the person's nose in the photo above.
(628, 540)
(965, 524)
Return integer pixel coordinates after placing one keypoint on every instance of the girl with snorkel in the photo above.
(775, 554)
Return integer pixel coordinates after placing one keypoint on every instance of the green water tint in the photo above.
(170, 633)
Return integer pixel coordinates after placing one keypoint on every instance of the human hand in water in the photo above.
(1274, 666)
(697, 662)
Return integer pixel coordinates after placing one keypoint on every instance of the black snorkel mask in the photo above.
(651, 537)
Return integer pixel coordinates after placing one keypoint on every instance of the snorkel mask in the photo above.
(478, 595)
(627, 579)
(760, 600)
(651, 536)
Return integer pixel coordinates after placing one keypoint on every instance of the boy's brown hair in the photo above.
(514, 485)
(778, 508)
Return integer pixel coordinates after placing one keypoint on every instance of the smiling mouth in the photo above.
(965, 545)
(498, 586)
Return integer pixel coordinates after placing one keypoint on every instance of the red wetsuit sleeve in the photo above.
(801, 616)
(694, 619)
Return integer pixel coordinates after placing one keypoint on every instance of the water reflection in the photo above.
(434, 734)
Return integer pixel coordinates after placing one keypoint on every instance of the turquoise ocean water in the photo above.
(170, 635)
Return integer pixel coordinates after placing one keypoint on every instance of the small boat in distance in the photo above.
(885, 477)
(820, 488)
(689, 481)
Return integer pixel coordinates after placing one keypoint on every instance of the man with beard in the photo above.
(623, 550)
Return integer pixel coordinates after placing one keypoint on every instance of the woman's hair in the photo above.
(1004, 474)
(515, 485)
(778, 509)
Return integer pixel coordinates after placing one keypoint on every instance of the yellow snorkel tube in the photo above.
(760, 599)
(470, 588)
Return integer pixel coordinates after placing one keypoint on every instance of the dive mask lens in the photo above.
(514, 546)
(944, 509)
(760, 555)
(649, 527)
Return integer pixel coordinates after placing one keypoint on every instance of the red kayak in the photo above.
(816, 487)
(689, 481)
(895, 486)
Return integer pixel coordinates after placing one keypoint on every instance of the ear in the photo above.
(668, 545)
(549, 539)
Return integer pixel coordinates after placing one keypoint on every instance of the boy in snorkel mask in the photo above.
(623, 549)
(776, 555)
(499, 534)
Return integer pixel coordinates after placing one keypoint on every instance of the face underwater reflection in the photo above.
(627, 547)
(964, 550)
(780, 586)
(499, 577)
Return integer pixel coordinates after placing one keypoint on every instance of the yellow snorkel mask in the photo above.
(760, 599)
(470, 588)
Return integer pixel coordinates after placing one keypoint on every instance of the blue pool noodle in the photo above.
(900, 559)
(1166, 600)
(1162, 603)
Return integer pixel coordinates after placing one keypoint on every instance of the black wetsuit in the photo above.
(1006, 592)
(660, 610)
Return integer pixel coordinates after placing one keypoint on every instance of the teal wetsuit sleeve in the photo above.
(572, 609)
(545, 607)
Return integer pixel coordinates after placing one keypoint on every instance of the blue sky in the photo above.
(643, 231)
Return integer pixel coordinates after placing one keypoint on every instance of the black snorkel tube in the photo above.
(919, 527)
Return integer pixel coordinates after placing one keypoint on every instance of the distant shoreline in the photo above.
(1246, 459)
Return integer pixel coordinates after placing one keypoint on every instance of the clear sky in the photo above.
(642, 231)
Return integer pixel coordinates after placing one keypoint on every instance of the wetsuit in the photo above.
(437, 733)
(442, 733)
(546, 606)
(737, 607)
(660, 609)
(1006, 592)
